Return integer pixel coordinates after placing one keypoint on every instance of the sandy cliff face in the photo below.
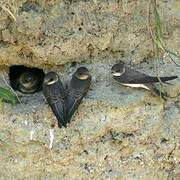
(59, 32)
(117, 132)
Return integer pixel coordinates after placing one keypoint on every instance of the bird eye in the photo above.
(51, 79)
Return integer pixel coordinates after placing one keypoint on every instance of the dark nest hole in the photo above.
(26, 80)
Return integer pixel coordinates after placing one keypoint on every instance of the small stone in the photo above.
(7, 36)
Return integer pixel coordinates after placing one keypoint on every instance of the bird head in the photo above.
(51, 78)
(28, 81)
(118, 69)
(82, 73)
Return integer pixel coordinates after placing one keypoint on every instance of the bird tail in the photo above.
(163, 79)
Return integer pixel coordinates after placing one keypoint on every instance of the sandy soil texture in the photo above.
(117, 132)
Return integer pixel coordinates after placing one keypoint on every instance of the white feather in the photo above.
(137, 86)
(51, 82)
(117, 74)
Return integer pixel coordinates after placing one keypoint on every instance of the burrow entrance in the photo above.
(25, 79)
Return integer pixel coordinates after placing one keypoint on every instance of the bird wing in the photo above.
(73, 100)
(77, 89)
(58, 107)
(55, 98)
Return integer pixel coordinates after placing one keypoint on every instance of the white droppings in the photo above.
(94, 79)
(25, 122)
(31, 134)
(51, 133)
(103, 117)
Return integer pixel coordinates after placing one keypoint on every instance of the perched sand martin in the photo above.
(77, 89)
(132, 78)
(54, 93)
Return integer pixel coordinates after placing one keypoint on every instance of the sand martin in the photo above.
(132, 78)
(28, 82)
(77, 89)
(54, 93)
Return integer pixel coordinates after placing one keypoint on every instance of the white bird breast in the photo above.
(136, 86)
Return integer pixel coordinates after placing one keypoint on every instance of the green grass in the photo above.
(8, 96)
(158, 39)
(155, 29)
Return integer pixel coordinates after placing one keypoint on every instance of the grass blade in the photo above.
(157, 22)
(7, 96)
(158, 39)
(1, 104)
